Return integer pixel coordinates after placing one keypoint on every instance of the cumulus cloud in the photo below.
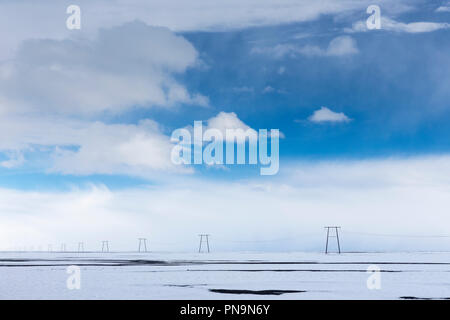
(226, 120)
(87, 147)
(137, 150)
(396, 26)
(326, 115)
(230, 120)
(339, 46)
(126, 66)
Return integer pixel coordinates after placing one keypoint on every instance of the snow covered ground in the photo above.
(296, 275)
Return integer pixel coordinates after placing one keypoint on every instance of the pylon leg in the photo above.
(337, 237)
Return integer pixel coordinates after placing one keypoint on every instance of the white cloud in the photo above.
(127, 66)
(392, 25)
(339, 46)
(406, 196)
(444, 8)
(86, 147)
(326, 115)
(137, 150)
(48, 19)
(228, 120)
(268, 89)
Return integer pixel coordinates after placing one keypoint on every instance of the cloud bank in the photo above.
(403, 196)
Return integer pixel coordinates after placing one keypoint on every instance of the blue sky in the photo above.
(390, 89)
(87, 114)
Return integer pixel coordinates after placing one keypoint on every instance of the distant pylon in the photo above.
(105, 246)
(206, 237)
(336, 235)
(80, 247)
(49, 248)
(142, 241)
(63, 247)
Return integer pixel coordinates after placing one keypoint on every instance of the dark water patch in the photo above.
(420, 298)
(62, 265)
(179, 285)
(288, 270)
(185, 285)
(74, 260)
(262, 262)
(256, 292)
(82, 262)
(148, 262)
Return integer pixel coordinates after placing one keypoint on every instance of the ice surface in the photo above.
(119, 275)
